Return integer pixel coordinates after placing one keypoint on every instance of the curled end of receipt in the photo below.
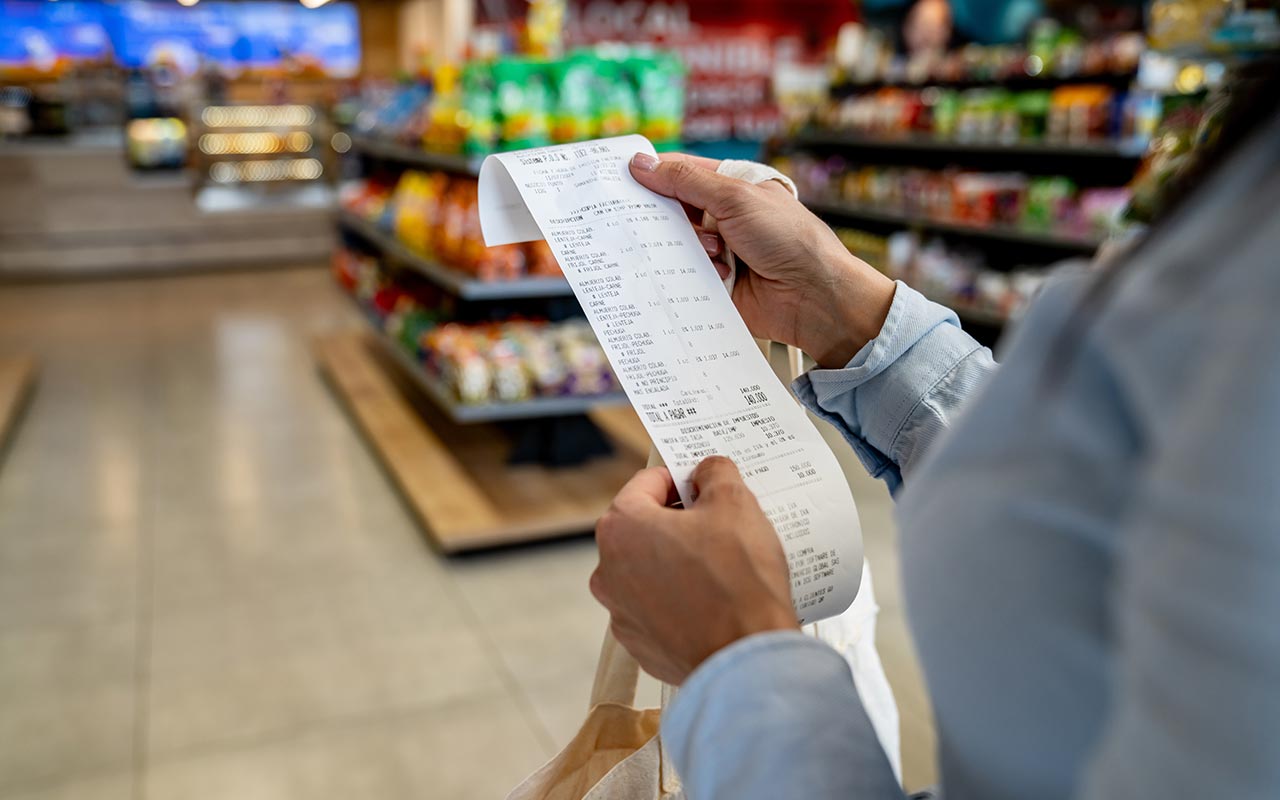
(504, 218)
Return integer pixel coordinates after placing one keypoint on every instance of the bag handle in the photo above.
(617, 673)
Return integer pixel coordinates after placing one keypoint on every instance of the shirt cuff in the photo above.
(769, 714)
(872, 399)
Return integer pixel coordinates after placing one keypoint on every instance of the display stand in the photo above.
(17, 377)
(459, 479)
(476, 475)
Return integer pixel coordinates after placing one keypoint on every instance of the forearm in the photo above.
(773, 716)
(850, 309)
(898, 394)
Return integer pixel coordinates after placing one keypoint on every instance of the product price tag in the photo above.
(679, 347)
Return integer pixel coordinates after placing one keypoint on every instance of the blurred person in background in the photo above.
(1090, 531)
(918, 26)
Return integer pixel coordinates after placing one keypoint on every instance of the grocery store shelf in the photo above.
(456, 479)
(412, 156)
(458, 283)
(977, 316)
(17, 376)
(1123, 150)
(1014, 83)
(1059, 240)
(471, 413)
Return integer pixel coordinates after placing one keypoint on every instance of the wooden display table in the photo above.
(458, 478)
(17, 376)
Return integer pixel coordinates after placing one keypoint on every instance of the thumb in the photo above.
(717, 478)
(690, 183)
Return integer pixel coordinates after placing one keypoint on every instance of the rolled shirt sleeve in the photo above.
(903, 388)
(771, 716)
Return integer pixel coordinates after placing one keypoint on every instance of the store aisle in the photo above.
(209, 590)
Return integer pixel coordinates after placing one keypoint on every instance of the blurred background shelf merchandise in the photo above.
(241, 265)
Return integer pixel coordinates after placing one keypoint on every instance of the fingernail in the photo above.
(710, 243)
(644, 162)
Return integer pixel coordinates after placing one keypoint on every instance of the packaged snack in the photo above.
(573, 115)
(660, 84)
(452, 223)
(478, 114)
(540, 261)
(523, 103)
(1049, 201)
(443, 134)
(618, 106)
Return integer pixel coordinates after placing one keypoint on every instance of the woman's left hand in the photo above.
(680, 584)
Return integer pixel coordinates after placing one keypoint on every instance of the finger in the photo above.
(722, 269)
(690, 183)
(652, 487)
(711, 242)
(715, 475)
(598, 585)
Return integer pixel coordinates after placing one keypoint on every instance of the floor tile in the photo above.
(527, 580)
(474, 749)
(274, 663)
(116, 785)
(919, 753)
(66, 701)
(65, 571)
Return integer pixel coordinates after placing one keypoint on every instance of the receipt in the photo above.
(679, 347)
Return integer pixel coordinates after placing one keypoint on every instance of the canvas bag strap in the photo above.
(617, 673)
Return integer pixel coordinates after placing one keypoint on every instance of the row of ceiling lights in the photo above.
(307, 3)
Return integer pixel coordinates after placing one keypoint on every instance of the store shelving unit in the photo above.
(458, 480)
(477, 475)
(417, 158)
(1091, 163)
(470, 413)
(456, 283)
(1021, 234)
(17, 377)
(1118, 80)
(1129, 151)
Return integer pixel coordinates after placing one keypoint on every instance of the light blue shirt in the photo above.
(1091, 557)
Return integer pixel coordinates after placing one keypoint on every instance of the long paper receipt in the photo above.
(679, 347)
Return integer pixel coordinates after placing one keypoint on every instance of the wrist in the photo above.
(852, 308)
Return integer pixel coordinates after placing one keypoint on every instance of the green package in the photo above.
(619, 106)
(523, 103)
(573, 114)
(478, 118)
(659, 81)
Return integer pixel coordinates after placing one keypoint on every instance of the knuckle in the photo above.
(679, 170)
(730, 493)
(607, 530)
(732, 490)
(597, 585)
(737, 196)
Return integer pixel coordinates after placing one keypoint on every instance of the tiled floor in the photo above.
(209, 590)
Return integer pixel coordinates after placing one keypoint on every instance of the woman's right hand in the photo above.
(801, 286)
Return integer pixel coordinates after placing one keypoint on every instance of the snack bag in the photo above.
(573, 116)
(522, 104)
(659, 82)
(478, 115)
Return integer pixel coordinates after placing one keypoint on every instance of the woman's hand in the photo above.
(802, 287)
(680, 584)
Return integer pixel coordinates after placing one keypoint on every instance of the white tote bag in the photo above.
(617, 753)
